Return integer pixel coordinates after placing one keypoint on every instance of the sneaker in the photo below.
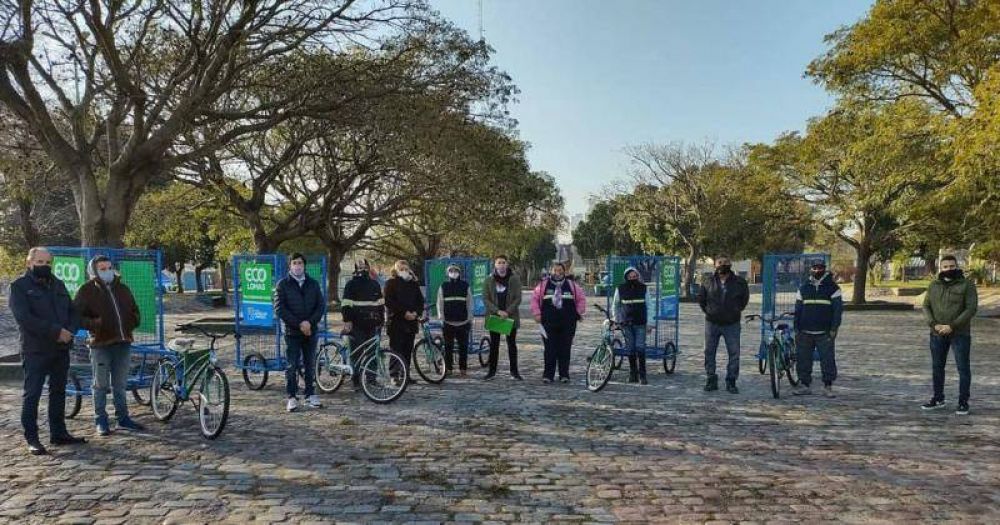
(293, 404)
(712, 384)
(546, 380)
(67, 439)
(642, 381)
(489, 377)
(828, 391)
(731, 387)
(35, 448)
(933, 404)
(516, 377)
(102, 426)
(128, 424)
(801, 390)
(314, 402)
(963, 409)
(564, 380)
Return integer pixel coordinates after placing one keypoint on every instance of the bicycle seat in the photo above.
(781, 326)
(181, 344)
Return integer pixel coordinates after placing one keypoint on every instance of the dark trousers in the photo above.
(557, 349)
(401, 341)
(731, 334)
(38, 367)
(962, 345)
(805, 346)
(511, 351)
(460, 334)
(359, 335)
(304, 348)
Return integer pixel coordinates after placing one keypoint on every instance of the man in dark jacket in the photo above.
(109, 311)
(299, 303)
(46, 321)
(454, 309)
(723, 298)
(950, 304)
(631, 311)
(363, 309)
(819, 307)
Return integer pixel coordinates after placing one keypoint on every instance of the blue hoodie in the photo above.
(819, 305)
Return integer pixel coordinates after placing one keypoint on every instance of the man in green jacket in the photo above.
(949, 306)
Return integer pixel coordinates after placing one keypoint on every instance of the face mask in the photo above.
(404, 275)
(501, 270)
(106, 275)
(453, 275)
(558, 278)
(725, 269)
(818, 274)
(41, 272)
(298, 271)
(949, 274)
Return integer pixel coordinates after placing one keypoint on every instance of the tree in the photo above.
(111, 89)
(863, 168)
(601, 233)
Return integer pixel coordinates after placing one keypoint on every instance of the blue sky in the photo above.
(596, 76)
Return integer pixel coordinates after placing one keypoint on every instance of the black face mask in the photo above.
(818, 274)
(950, 274)
(725, 269)
(41, 272)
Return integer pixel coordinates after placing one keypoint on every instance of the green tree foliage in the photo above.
(602, 233)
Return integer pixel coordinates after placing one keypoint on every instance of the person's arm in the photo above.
(745, 298)
(798, 310)
(318, 308)
(837, 301)
(489, 294)
(513, 294)
(88, 318)
(536, 299)
(971, 306)
(469, 306)
(347, 303)
(440, 303)
(392, 304)
(37, 326)
(75, 322)
(703, 296)
(616, 307)
(928, 308)
(422, 302)
(281, 306)
(579, 299)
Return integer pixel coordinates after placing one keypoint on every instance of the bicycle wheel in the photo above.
(162, 394)
(383, 376)
(669, 357)
(600, 366)
(74, 395)
(791, 371)
(139, 398)
(484, 352)
(773, 362)
(618, 352)
(329, 361)
(255, 371)
(429, 361)
(213, 404)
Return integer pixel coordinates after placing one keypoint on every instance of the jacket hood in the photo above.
(631, 269)
(92, 268)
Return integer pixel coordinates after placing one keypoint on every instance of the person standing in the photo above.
(109, 312)
(949, 305)
(630, 311)
(454, 308)
(46, 321)
(299, 303)
(723, 298)
(558, 304)
(404, 302)
(819, 308)
(502, 297)
(363, 309)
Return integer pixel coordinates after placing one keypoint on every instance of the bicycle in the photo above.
(428, 350)
(191, 374)
(601, 363)
(780, 351)
(383, 373)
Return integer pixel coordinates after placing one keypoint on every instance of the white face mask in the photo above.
(453, 275)
(404, 275)
(106, 275)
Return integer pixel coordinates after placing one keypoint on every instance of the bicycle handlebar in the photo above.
(784, 316)
(204, 331)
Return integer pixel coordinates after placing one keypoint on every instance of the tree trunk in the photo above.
(179, 274)
(224, 277)
(197, 278)
(28, 229)
(864, 256)
(334, 256)
(690, 269)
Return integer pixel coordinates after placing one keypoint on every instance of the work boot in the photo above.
(731, 387)
(633, 372)
(641, 358)
(712, 384)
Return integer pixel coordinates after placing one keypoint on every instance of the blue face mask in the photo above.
(106, 275)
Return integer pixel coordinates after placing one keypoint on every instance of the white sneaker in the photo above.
(293, 404)
(314, 402)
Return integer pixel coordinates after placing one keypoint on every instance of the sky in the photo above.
(598, 76)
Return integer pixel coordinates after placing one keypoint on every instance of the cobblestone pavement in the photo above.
(471, 451)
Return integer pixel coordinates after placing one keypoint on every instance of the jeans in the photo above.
(451, 335)
(635, 345)
(962, 345)
(296, 347)
(511, 352)
(110, 362)
(37, 367)
(557, 349)
(805, 344)
(731, 333)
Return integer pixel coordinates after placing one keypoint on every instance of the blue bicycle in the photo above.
(778, 350)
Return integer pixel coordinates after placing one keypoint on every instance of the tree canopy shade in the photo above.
(111, 89)
(603, 232)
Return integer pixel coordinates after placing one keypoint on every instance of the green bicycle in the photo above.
(428, 357)
(191, 374)
(601, 363)
(779, 350)
(383, 373)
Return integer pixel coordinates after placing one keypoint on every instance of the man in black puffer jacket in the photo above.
(299, 303)
(723, 298)
(363, 309)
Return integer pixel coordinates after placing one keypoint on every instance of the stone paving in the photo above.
(471, 451)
